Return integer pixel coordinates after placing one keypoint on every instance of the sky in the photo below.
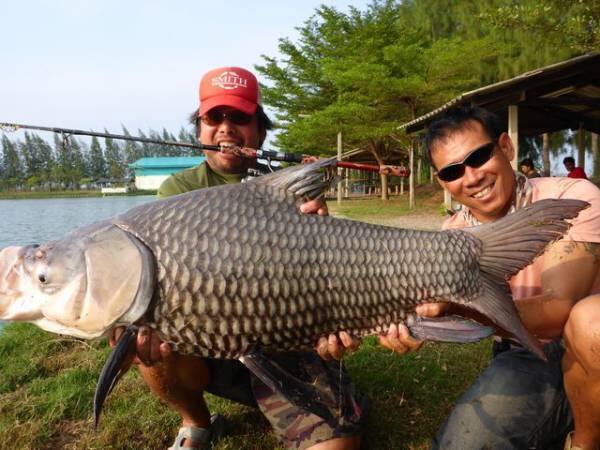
(92, 65)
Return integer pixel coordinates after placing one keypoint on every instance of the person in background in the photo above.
(230, 114)
(573, 171)
(528, 169)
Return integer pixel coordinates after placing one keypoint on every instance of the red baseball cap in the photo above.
(229, 86)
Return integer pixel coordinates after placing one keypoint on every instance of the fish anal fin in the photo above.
(447, 329)
(495, 302)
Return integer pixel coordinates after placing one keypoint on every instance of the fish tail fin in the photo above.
(509, 245)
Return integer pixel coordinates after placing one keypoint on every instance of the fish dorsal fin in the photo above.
(305, 181)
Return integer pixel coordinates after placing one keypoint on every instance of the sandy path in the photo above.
(424, 221)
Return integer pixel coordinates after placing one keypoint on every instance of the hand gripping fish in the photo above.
(235, 271)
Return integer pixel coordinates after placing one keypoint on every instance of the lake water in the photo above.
(37, 221)
(40, 220)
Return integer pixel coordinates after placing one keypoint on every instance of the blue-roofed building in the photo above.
(151, 172)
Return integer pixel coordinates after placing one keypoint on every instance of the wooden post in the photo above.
(339, 157)
(347, 183)
(596, 170)
(546, 154)
(402, 186)
(447, 200)
(419, 169)
(581, 147)
(513, 131)
(411, 178)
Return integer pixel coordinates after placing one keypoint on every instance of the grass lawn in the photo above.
(10, 195)
(428, 199)
(47, 385)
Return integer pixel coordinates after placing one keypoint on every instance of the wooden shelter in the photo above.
(561, 96)
(370, 182)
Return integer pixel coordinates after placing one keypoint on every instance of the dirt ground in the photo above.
(425, 221)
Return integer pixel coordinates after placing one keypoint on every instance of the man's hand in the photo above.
(336, 345)
(317, 206)
(398, 338)
(149, 349)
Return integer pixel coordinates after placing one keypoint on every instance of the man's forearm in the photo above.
(544, 315)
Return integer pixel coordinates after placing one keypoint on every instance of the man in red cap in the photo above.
(230, 114)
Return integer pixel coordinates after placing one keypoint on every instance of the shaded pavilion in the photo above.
(565, 95)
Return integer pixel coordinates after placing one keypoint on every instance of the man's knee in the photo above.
(582, 332)
(178, 372)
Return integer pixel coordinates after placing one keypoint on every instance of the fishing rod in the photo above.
(245, 152)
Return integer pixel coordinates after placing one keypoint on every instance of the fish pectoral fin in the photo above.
(116, 365)
(448, 329)
(496, 303)
(306, 395)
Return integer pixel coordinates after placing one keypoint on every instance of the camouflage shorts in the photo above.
(297, 428)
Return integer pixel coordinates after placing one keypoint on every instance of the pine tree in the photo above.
(146, 147)
(131, 149)
(114, 163)
(46, 158)
(31, 161)
(97, 163)
(12, 167)
(78, 169)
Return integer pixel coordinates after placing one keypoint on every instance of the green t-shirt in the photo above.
(198, 177)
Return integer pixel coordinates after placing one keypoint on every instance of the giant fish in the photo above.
(235, 271)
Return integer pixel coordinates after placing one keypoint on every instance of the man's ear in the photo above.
(506, 146)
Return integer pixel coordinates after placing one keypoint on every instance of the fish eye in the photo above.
(42, 277)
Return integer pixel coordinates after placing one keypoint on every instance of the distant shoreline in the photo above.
(67, 194)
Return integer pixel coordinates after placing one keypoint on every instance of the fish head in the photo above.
(83, 285)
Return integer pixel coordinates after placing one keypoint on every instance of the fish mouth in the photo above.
(14, 305)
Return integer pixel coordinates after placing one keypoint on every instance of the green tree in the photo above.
(363, 73)
(96, 160)
(146, 147)
(46, 158)
(187, 136)
(12, 174)
(30, 156)
(63, 171)
(131, 149)
(564, 27)
(114, 162)
(77, 167)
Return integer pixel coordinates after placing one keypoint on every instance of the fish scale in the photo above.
(251, 279)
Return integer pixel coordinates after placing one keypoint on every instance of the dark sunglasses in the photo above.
(475, 159)
(212, 118)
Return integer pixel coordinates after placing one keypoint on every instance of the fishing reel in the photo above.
(264, 166)
(252, 174)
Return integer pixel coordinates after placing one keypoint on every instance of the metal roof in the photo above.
(551, 98)
(161, 162)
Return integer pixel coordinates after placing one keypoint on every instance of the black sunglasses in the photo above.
(475, 159)
(212, 118)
